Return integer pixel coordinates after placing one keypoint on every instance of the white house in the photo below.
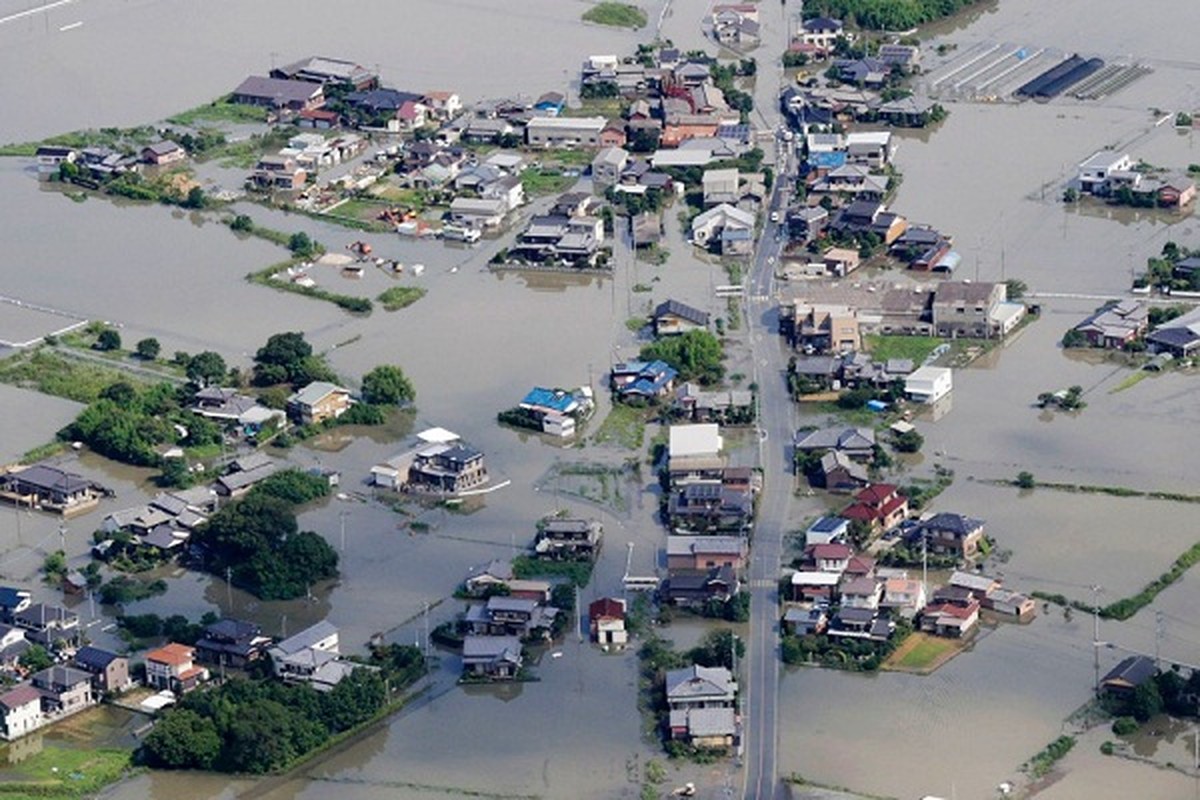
(1094, 174)
(720, 186)
(822, 32)
(20, 711)
(608, 166)
(481, 213)
(928, 384)
(694, 440)
(713, 222)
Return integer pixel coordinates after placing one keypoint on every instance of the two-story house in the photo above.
(880, 506)
(299, 654)
(450, 468)
(494, 657)
(950, 533)
(49, 626)
(173, 667)
(317, 402)
(706, 552)
(20, 711)
(961, 308)
(109, 671)
(64, 690)
(231, 643)
(511, 616)
(702, 706)
(569, 539)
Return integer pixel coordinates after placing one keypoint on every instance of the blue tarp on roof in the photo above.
(651, 379)
(831, 160)
(559, 400)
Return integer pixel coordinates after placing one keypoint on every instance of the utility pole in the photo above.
(578, 616)
(1096, 589)
(342, 518)
(1158, 635)
(62, 538)
(925, 562)
(229, 587)
(283, 626)
(425, 649)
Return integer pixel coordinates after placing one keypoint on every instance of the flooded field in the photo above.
(990, 176)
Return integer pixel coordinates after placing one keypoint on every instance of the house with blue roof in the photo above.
(553, 411)
(13, 601)
(649, 380)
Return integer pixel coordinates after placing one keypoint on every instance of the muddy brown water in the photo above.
(478, 340)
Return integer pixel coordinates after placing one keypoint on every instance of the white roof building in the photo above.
(694, 440)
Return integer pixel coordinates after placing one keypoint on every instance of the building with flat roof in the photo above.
(564, 132)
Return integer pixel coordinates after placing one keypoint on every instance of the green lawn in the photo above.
(64, 773)
(618, 15)
(916, 348)
(541, 181)
(624, 426)
(50, 373)
(399, 297)
(220, 111)
(924, 652)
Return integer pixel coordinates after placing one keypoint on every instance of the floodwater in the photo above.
(989, 176)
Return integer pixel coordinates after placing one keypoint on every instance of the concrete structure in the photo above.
(564, 132)
(928, 384)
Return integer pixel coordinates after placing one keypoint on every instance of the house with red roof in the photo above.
(607, 619)
(831, 557)
(172, 666)
(951, 619)
(880, 505)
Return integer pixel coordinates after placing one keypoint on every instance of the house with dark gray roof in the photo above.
(231, 642)
(857, 443)
(278, 93)
(947, 532)
(495, 657)
(1124, 679)
(109, 671)
(49, 487)
(673, 317)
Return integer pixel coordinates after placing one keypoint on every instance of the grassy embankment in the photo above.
(399, 297)
(58, 773)
(617, 15)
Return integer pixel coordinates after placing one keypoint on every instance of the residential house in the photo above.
(1009, 603)
(231, 643)
(1116, 325)
(821, 33)
(51, 488)
(701, 704)
(51, 156)
(806, 223)
(673, 317)
(613, 135)
(49, 626)
(642, 379)
(1176, 191)
(564, 539)
(826, 530)
(861, 623)
(300, 655)
(318, 119)
(13, 645)
(328, 72)
(380, 106)
(245, 473)
(863, 591)
(706, 552)
(317, 402)
(564, 132)
(873, 149)
(928, 384)
(868, 72)
(606, 617)
(508, 189)
(819, 327)
(805, 621)
(909, 112)
(20, 711)
(449, 468)
(173, 667)
(570, 240)
(695, 587)
(1095, 174)
(814, 586)
(857, 443)
(880, 506)
(109, 671)
(903, 595)
(162, 153)
(977, 584)
(278, 172)
(65, 690)
(837, 472)
(724, 407)
(442, 104)
(511, 616)
(853, 180)
(608, 165)
(711, 228)
(963, 308)
(1125, 678)
(487, 577)
(556, 409)
(905, 56)
(279, 93)
(950, 619)
(693, 440)
(1179, 338)
(830, 557)
(950, 533)
(721, 186)
(494, 657)
(481, 213)
(13, 601)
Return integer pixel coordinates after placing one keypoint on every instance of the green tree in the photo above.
(695, 354)
(195, 198)
(206, 369)
(293, 486)
(301, 245)
(108, 339)
(241, 223)
(288, 358)
(716, 649)
(36, 659)
(148, 348)
(1025, 480)
(909, 441)
(182, 740)
(1146, 701)
(387, 385)
(1016, 288)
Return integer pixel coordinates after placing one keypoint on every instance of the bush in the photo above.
(108, 339)
(1025, 480)
(1124, 726)
(149, 348)
(387, 385)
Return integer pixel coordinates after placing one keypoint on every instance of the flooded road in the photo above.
(990, 176)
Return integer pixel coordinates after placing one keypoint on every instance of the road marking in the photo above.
(27, 12)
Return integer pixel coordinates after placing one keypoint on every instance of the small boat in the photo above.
(453, 270)
(417, 269)
(397, 267)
